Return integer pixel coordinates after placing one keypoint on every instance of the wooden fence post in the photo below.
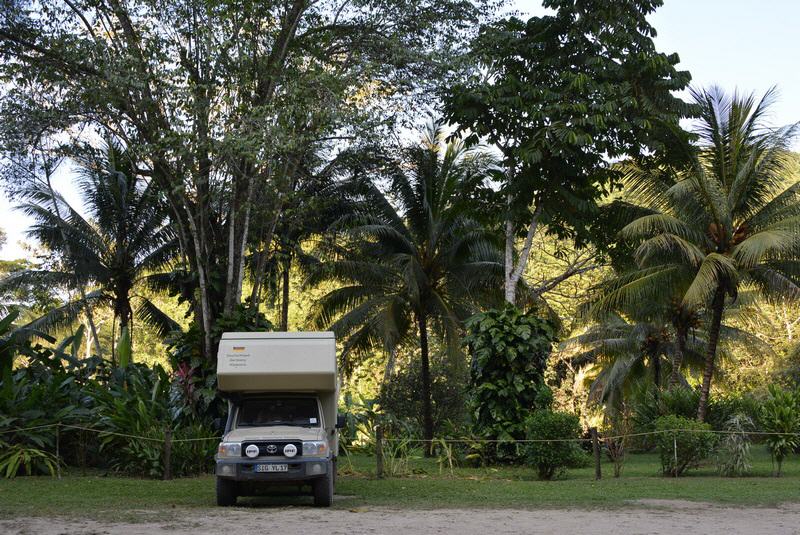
(596, 451)
(675, 451)
(167, 454)
(379, 451)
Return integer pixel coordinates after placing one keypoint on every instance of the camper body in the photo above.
(282, 392)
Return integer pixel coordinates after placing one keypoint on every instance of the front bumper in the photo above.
(299, 469)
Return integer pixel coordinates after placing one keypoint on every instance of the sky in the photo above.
(748, 45)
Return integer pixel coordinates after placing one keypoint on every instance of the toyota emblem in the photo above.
(272, 449)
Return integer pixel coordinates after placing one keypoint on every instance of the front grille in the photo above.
(273, 448)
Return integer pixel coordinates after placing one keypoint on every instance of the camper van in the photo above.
(282, 392)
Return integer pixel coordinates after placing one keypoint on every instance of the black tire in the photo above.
(226, 492)
(323, 489)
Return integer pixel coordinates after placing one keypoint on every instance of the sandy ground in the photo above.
(652, 516)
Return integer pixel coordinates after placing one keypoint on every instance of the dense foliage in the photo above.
(780, 416)
(509, 351)
(551, 458)
(559, 95)
(112, 418)
(246, 167)
(682, 443)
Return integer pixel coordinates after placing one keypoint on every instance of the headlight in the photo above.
(230, 449)
(315, 448)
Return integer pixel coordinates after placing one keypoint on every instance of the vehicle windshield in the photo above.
(263, 412)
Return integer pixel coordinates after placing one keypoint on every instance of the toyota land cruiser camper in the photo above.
(282, 392)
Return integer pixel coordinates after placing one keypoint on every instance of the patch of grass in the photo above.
(125, 499)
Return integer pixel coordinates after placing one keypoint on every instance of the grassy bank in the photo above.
(424, 486)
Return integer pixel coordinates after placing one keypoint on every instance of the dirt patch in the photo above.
(644, 517)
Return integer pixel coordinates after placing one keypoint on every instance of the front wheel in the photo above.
(226, 492)
(323, 489)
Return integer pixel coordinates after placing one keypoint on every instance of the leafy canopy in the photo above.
(561, 95)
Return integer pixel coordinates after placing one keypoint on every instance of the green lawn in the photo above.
(111, 497)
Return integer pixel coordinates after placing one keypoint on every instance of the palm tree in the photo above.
(723, 220)
(413, 260)
(125, 239)
(628, 350)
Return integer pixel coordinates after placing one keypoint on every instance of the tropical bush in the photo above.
(682, 443)
(21, 458)
(723, 408)
(137, 402)
(551, 458)
(780, 416)
(95, 412)
(509, 351)
(649, 404)
(363, 415)
(617, 441)
(733, 455)
(400, 395)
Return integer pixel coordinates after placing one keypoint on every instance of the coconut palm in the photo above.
(124, 239)
(411, 261)
(723, 220)
(623, 352)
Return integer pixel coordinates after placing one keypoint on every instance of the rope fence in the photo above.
(380, 440)
(594, 438)
(601, 437)
(167, 441)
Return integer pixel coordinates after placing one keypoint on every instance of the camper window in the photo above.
(261, 412)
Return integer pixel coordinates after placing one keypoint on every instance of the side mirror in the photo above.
(341, 420)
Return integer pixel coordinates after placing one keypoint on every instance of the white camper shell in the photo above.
(282, 390)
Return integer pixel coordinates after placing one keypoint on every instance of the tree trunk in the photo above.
(513, 273)
(388, 371)
(717, 308)
(510, 290)
(114, 342)
(656, 360)
(677, 358)
(427, 406)
(287, 265)
(205, 308)
(657, 371)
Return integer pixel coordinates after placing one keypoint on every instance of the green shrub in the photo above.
(38, 397)
(551, 458)
(137, 402)
(722, 408)
(693, 443)
(733, 455)
(648, 405)
(16, 459)
(509, 351)
(400, 396)
(780, 415)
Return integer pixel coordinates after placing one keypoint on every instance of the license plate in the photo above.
(272, 468)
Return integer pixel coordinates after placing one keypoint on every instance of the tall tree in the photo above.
(207, 95)
(413, 261)
(560, 95)
(125, 239)
(723, 220)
